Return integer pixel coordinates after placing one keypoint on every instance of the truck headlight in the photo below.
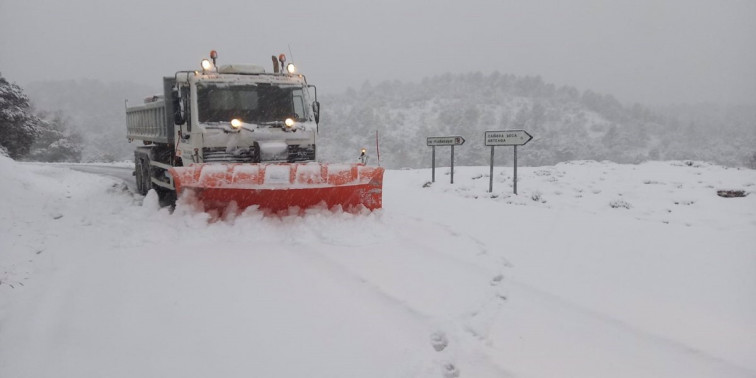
(236, 123)
(206, 65)
(289, 122)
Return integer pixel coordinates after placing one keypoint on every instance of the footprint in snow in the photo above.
(450, 371)
(439, 341)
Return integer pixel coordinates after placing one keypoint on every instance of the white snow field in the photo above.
(594, 270)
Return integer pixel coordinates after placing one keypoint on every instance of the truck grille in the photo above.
(221, 154)
(305, 152)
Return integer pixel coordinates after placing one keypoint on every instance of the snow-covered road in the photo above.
(121, 172)
(594, 270)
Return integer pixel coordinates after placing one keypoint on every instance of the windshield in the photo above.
(249, 103)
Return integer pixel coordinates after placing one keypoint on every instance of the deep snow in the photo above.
(593, 270)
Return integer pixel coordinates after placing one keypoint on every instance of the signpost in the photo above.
(506, 138)
(454, 140)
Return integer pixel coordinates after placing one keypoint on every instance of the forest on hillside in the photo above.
(567, 124)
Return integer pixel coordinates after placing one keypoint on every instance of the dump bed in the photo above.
(153, 120)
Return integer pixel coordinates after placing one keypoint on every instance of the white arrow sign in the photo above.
(454, 140)
(507, 138)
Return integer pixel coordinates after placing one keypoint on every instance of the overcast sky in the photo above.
(648, 51)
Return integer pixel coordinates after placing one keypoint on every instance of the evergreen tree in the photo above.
(19, 127)
(57, 141)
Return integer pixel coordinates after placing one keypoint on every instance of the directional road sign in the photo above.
(507, 138)
(454, 140)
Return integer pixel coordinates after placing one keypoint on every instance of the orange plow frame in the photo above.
(277, 187)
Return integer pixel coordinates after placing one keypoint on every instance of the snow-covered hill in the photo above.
(567, 124)
(593, 270)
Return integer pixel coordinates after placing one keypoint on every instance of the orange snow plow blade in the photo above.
(277, 187)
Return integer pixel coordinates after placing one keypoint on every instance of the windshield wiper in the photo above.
(272, 123)
(226, 127)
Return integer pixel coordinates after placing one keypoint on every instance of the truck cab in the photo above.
(238, 113)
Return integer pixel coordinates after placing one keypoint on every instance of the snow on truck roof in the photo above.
(240, 73)
(237, 78)
(241, 69)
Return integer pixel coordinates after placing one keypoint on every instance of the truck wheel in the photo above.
(146, 177)
(139, 177)
(143, 181)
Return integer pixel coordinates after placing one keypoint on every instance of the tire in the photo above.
(146, 177)
(145, 172)
(142, 172)
(139, 177)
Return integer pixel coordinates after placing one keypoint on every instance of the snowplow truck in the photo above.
(235, 135)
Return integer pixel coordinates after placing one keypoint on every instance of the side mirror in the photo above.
(178, 114)
(316, 111)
